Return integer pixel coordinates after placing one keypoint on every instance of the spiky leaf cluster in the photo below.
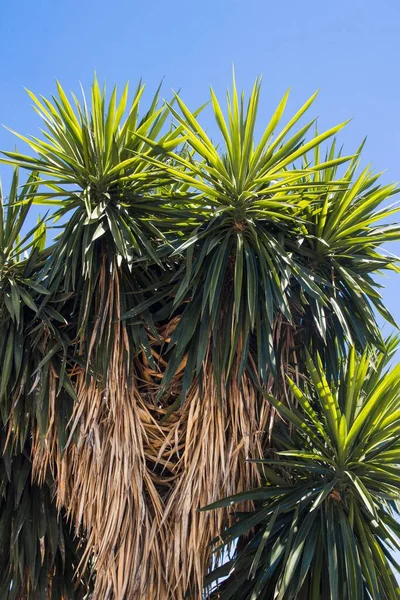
(179, 257)
(326, 523)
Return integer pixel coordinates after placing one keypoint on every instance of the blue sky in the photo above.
(348, 48)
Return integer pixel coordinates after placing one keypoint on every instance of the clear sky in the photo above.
(350, 49)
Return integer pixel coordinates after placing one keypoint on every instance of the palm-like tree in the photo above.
(188, 279)
(277, 241)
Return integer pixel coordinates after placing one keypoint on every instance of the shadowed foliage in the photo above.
(39, 554)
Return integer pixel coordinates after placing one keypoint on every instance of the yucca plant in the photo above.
(117, 211)
(186, 280)
(285, 236)
(284, 260)
(28, 317)
(38, 552)
(92, 171)
(326, 521)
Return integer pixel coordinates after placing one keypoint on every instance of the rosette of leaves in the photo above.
(326, 524)
(287, 249)
(91, 169)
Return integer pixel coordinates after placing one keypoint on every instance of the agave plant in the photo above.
(327, 521)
